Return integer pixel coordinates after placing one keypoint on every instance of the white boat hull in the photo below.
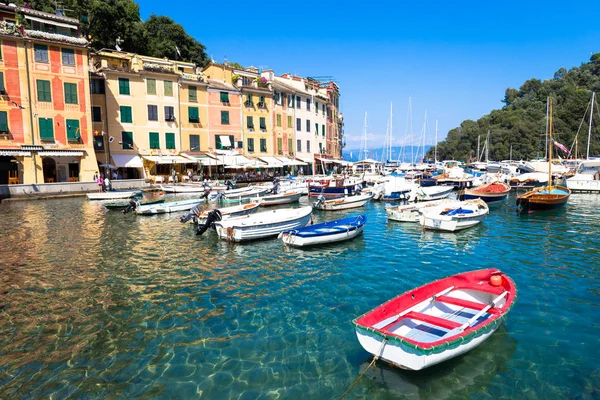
(344, 203)
(165, 208)
(229, 212)
(299, 241)
(434, 219)
(411, 212)
(278, 199)
(113, 195)
(583, 185)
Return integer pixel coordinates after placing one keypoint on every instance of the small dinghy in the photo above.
(165, 208)
(114, 194)
(122, 205)
(343, 203)
(430, 193)
(411, 212)
(454, 218)
(281, 198)
(326, 232)
(436, 322)
(264, 224)
(490, 192)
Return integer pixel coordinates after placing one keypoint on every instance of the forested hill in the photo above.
(522, 121)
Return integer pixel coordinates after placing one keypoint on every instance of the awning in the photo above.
(234, 161)
(251, 164)
(61, 153)
(272, 162)
(209, 162)
(50, 22)
(225, 141)
(18, 153)
(169, 160)
(324, 160)
(290, 161)
(307, 160)
(127, 161)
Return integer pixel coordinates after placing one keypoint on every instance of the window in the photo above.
(192, 93)
(168, 89)
(170, 140)
(193, 115)
(96, 114)
(169, 113)
(240, 145)
(70, 93)
(263, 145)
(262, 103)
(308, 125)
(124, 86)
(263, 123)
(279, 120)
(290, 101)
(40, 53)
(290, 149)
(152, 112)
(97, 86)
(73, 132)
(0, 51)
(320, 147)
(322, 129)
(289, 121)
(220, 145)
(127, 140)
(249, 102)
(194, 142)
(277, 97)
(299, 145)
(316, 107)
(279, 145)
(126, 114)
(298, 124)
(224, 117)
(250, 145)
(249, 122)
(283, 100)
(68, 57)
(324, 109)
(150, 86)
(224, 97)
(308, 146)
(46, 129)
(4, 122)
(298, 101)
(154, 140)
(44, 93)
(307, 104)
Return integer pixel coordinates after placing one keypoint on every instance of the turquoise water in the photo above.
(96, 304)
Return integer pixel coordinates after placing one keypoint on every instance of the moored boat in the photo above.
(326, 232)
(226, 212)
(253, 193)
(489, 192)
(430, 193)
(463, 215)
(411, 212)
(113, 194)
(438, 321)
(121, 205)
(263, 225)
(587, 177)
(343, 203)
(281, 198)
(165, 208)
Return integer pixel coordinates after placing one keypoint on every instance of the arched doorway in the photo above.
(49, 166)
(9, 170)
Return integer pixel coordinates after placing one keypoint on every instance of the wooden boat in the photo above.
(343, 203)
(264, 224)
(438, 321)
(547, 197)
(489, 192)
(465, 214)
(164, 208)
(411, 212)
(114, 195)
(326, 232)
(226, 212)
(282, 198)
(430, 193)
(121, 205)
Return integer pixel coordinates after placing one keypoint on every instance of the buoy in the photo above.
(160, 193)
(496, 280)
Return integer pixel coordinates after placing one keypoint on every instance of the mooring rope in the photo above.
(366, 369)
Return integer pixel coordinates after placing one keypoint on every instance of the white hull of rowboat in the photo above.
(283, 198)
(165, 208)
(113, 195)
(344, 203)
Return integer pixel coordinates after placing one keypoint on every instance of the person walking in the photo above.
(107, 184)
(100, 182)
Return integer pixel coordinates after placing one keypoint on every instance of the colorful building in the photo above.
(283, 117)
(45, 124)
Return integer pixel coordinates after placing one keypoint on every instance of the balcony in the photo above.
(157, 67)
(193, 77)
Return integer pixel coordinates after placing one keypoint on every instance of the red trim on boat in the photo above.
(430, 319)
(461, 302)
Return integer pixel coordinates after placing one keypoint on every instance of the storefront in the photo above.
(11, 166)
(129, 166)
(61, 165)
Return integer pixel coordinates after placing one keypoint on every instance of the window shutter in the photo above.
(225, 117)
(278, 119)
(73, 133)
(151, 86)
(263, 123)
(263, 145)
(154, 140)
(170, 140)
(70, 93)
(194, 142)
(290, 149)
(3, 121)
(2, 88)
(193, 114)
(46, 129)
(127, 140)
(192, 94)
(124, 86)
(126, 114)
(218, 142)
(250, 144)
(323, 129)
(224, 97)
(249, 122)
(168, 88)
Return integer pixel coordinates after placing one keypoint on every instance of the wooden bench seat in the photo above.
(461, 302)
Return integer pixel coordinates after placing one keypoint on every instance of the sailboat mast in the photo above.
(550, 142)
(436, 142)
(391, 132)
(590, 127)
(478, 156)
(412, 147)
(547, 102)
(487, 147)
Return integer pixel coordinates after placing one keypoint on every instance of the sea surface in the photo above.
(96, 304)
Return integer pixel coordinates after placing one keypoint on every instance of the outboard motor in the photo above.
(358, 189)
(276, 185)
(206, 192)
(230, 185)
(320, 200)
(131, 207)
(192, 214)
(212, 217)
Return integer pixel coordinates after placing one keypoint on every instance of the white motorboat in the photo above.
(430, 193)
(343, 203)
(281, 198)
(587, 177)
(326, 232)
(183, 188)
(164, 208)
(226, 212)
(462, 216)
(114, 194)
(253, 193)
(264, 224)
(411, 212)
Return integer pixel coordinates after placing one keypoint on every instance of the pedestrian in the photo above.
(190, 175)
(100, 181)
(114, 175)
(119, 176)
(107, 186)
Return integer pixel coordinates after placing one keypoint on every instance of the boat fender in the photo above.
(496, 280)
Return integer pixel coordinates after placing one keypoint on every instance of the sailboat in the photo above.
(547, 197)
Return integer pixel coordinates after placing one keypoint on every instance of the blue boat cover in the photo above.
(330, 228)
(459, 210)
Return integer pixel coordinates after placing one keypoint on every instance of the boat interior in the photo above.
(446, 314)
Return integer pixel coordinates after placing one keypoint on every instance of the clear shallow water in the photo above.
(97, 304)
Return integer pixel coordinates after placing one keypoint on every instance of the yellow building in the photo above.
(193, 94)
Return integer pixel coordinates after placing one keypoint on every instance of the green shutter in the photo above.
(124, 86)
(73, 132)
(218, 142)
(46, 129)
(323, 129)
(278, 119)
(263, 145)
(192, 94)
(289, 122)
(193, 114)
(290, 149)
(127, 140)
(250, 145)
(3, 121)
(316, 129)
(263, 123)
(225, 117)
(70, 93)
(249, 122)
(170, 140)
(150, 86)
(126, 114)
(169, 88)
(224, 97)
(43, 90)
(2, 88)
(154, 140)
(279, 144)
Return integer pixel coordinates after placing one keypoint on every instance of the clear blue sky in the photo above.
(455, 59)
